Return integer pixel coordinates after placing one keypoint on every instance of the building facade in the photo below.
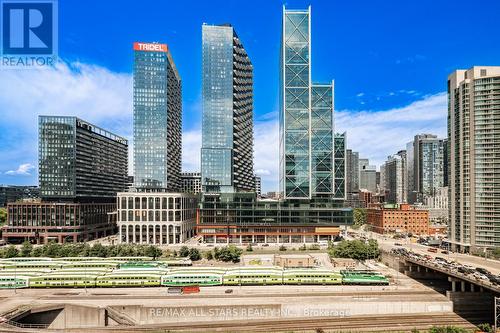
(241, 218)
(157, 118)
(307, 139)
(158, 218)
(367, 176)
(396, 178)
(398, 218)
(258, 185)
(78, 161)
(41, 222)
(227, 122)
(474, 163)
(13, 193)
(191, 182)
(426, 166)
(352, 171)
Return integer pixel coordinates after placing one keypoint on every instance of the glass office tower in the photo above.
(227, 125)
(295, 99)
(79, 161)
(157, 119)
(307, 161)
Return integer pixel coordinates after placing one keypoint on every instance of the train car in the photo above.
(76, 259)
(192, 278)
(63, 280)
(92, 264)
(253, 276)
(34, 265)
(24, 272)
(14, 281)
(176, 262)
(311, 276)
(25, 259)
(131, 279)
(363, 278)
(141, 264)
(131, 258)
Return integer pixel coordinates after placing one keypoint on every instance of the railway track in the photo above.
(394, 323)
(267, 295)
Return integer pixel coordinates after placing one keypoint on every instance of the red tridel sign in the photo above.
(152, 47)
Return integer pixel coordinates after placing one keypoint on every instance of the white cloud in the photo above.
(263, 172)
(91, 92)
(266, 153)
(23, 170)
(360, 94)
(379, 134)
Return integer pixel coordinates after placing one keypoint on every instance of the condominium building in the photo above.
(258, 185)
(157, 119)
(367, 175)
(307, 162)
(352, 171)
(159, 218)
(79, 161)
(426, 165)
(227, 122)
(395, 177)
(474, 161)
(191, 182)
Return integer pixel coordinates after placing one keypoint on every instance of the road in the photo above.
(387, 244)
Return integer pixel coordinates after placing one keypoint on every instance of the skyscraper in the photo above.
(425, 166)
(307, 138)
(79, 161)
(395, 179)
(352, 171)
(227, 125)
(157, 118)
(367, 175)
(474, 163)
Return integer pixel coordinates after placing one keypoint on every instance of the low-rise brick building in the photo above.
(398, 218)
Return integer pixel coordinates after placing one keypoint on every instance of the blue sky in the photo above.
(389, 60)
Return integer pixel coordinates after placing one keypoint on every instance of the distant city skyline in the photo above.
(390, 84)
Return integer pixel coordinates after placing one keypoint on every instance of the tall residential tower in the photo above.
(474, 163)
(227, 125)
(157, 119)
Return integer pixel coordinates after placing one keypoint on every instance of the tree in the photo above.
(359, 217)
(36, 252)
(153, 251)
(98, 250)
(194, 254)
(228, 253)
(209, 255)
(26, 249)
(282, 247)
(355, 249)
(3, 216)
(11, 252)
(184, 252)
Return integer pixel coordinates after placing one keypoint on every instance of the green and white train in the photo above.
(101, 272)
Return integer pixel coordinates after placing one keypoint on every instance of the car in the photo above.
(265, 244)
(398, 244)
(228, 291)
(482, 271)
(444, 252)
(432, 249)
